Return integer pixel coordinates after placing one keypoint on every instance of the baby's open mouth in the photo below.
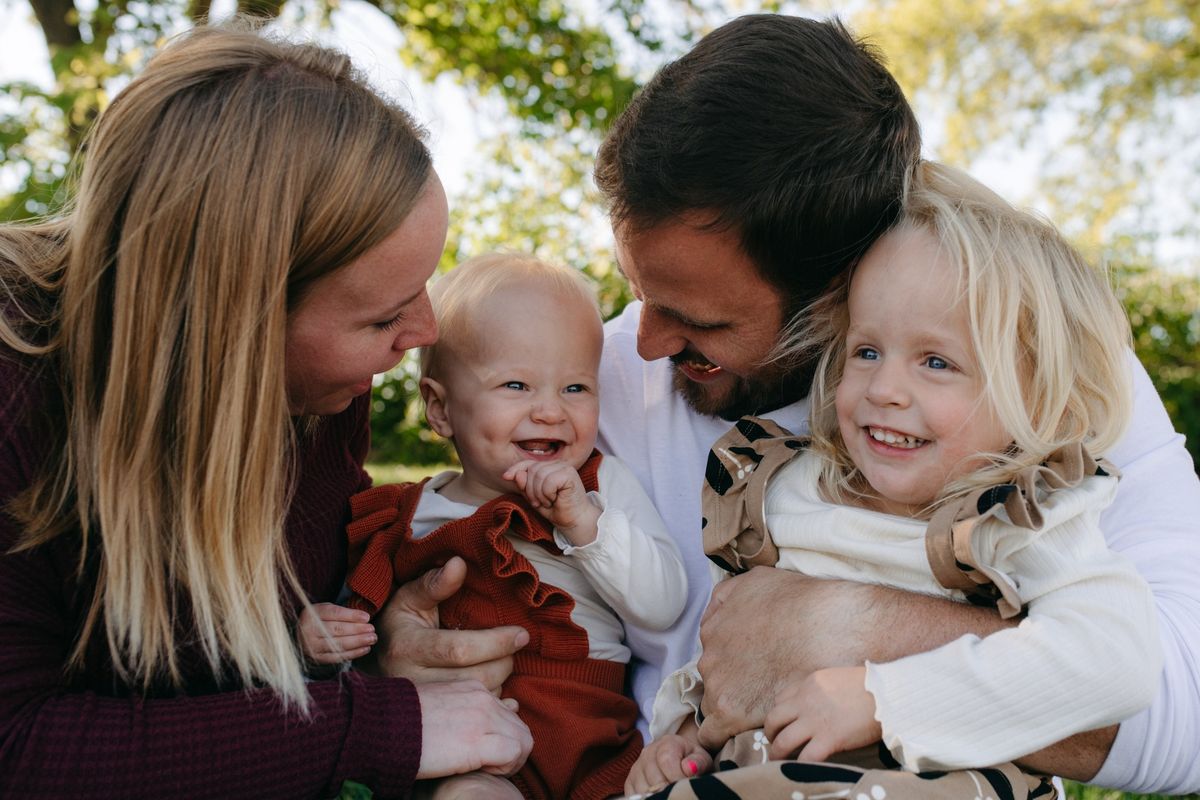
(900, 440)
(540, 447)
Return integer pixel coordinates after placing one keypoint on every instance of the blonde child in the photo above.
(975, 362)
(556, 538)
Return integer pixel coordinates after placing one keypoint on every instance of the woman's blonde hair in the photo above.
(225, 180)
(1050, 337)
(458, 295)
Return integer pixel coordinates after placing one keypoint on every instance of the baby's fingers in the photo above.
(518, 473)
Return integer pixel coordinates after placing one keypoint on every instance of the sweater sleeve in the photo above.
(634, 564)
(1085, 656)
(60, 740)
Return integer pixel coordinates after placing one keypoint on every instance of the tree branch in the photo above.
(59, 21)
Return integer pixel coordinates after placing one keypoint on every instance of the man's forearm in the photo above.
(1078, 757)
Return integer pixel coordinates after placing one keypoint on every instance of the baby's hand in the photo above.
(556, 491)
(671, 758)
(828, 712)
(351, 633)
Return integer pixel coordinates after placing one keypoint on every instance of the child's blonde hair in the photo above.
(458, 295)
(1050, 337)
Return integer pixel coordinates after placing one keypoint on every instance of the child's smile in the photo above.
(526, 391)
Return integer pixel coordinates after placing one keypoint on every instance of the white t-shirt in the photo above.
(1154, 522)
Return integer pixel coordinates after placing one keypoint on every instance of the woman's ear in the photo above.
(436, 410)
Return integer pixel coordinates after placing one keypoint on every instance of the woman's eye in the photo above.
(390, 324)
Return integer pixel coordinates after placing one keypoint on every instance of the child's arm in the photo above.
(1086, 655)
(332, 634)
(632, 562)
(669, 758)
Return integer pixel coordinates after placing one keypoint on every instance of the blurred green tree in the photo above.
(1107, 93)
(1119, 79)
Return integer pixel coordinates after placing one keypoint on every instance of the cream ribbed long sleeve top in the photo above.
(1086, 655)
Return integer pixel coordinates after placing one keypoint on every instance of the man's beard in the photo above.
(770, 387)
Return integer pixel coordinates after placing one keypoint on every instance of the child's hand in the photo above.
(351, 633)
(674, 757)
(828, 712)
(556, 491)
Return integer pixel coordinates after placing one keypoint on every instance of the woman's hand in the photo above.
(465, 728)
(412, 646)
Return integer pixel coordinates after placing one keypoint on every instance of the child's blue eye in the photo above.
(937, 362)
(867, 353)
(575, 388)
(514, 385)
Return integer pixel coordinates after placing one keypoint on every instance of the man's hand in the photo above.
(464, 728)
(768, 629)
(828, 712)
(412, 646)
(555, 489)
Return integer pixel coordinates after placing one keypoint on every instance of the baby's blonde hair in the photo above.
(458, 295)
(1050, 337)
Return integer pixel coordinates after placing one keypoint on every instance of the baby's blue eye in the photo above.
(514, 385)
(937, 362)
(575, 388)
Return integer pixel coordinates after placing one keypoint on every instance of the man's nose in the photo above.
(659, 336)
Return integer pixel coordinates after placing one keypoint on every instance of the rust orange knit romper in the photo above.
(585, 738)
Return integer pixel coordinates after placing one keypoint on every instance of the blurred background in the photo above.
(1087, 111)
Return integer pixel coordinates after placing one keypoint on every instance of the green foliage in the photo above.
(1164, 312)
(1077, 791)
(1107, 91)
(549, 65)
(398, 432)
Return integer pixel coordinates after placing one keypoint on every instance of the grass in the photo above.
(1077, 791)
(402, 473)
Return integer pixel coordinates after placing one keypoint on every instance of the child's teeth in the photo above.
(894, 439)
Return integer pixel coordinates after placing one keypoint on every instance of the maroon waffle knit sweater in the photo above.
(92, 736)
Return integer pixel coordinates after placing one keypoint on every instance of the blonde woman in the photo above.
(972, 363)
(185, 355)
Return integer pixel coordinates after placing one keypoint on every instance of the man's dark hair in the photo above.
(786, 129)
